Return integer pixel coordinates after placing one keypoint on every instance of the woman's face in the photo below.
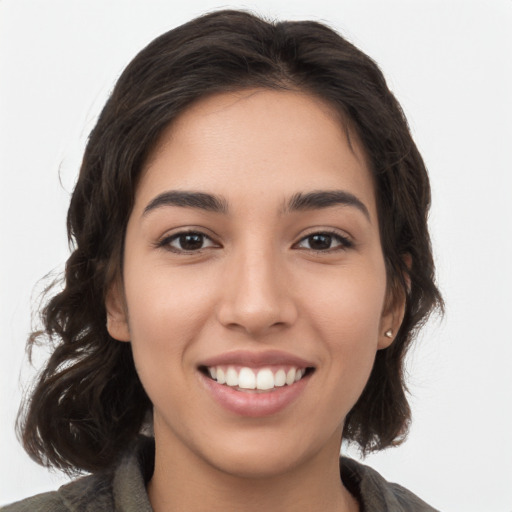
(252, 255)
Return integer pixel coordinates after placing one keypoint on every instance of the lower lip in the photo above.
(255, 404)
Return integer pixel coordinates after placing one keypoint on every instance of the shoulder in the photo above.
(46, 502)
(377, 494)
(79, 495)
(123, 487)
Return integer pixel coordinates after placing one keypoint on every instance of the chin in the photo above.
(261, 458)
(258, 466)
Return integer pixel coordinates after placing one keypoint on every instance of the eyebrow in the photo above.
(188, 199)
(325, 199)
(301, 201)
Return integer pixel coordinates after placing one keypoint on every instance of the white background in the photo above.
(450, 64)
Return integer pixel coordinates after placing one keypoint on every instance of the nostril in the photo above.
(255, 308)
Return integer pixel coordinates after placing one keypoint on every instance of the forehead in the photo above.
(258, 141)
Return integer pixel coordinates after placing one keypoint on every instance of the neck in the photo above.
(183, 481)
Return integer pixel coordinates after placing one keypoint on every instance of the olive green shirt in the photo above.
(123, 489)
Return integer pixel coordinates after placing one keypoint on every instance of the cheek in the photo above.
(346, 314)
(348, 305)
(164, 303)
(165, 313)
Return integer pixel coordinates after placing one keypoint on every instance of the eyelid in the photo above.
(345, 241)
(164, 242)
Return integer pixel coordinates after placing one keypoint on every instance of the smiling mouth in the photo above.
(256, 380)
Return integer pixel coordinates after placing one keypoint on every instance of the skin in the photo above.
(255, 284)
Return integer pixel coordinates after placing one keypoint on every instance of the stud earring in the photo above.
(389, 333)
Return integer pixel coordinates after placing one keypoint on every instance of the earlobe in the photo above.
(392, 318)
(389, 327)
(386, 338)
(117, 316)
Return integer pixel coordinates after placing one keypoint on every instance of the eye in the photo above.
(190, 241)
(324, 241)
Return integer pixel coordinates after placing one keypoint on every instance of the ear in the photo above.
(394, 310)
(391, 321)
(117, 315)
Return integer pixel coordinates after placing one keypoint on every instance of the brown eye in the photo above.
(320, 242)
(324, 242)
(190, 241)
(187, 242)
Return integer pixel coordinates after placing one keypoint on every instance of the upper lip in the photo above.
(257, 359)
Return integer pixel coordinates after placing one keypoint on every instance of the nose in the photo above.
(256, 298)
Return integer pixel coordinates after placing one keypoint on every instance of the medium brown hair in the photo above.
(88, 402)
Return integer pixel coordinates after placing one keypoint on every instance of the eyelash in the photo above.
(344, 242)
(167, 241)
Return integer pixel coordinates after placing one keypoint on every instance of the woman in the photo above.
(251, 261)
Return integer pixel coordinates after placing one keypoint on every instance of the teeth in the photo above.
(280, 378)
(263, 379)
(290, 377)
(221, 378)
(246, 379)
(231, 377)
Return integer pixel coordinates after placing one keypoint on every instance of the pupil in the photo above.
(191, 241)
(320, 242)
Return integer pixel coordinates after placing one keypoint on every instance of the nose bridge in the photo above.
(256, 297)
